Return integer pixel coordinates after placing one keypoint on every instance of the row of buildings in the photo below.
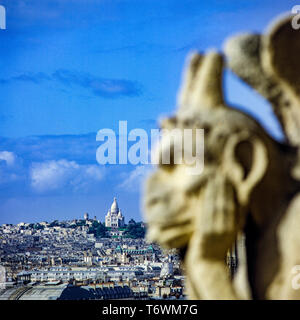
(63, 257)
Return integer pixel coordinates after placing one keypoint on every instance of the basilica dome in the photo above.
(114, 217)
(114, 207)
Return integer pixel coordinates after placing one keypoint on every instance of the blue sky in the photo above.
(69, 68)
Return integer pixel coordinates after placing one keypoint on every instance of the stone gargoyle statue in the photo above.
(250, 185)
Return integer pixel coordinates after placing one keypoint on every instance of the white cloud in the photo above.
(135, 178)
(8, 157)
(53, 175)
(10, 167)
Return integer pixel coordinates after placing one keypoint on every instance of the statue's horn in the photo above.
(202, 85)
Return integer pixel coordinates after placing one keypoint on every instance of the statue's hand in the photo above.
(216, 224)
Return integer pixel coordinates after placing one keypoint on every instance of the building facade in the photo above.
(114, 217)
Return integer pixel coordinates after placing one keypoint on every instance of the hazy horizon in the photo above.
(69, 69)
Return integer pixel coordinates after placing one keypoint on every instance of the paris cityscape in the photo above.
(149, 157)
(84, 259)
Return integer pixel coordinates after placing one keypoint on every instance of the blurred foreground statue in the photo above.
(250, 185)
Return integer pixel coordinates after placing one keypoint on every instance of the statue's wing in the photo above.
(270, 64)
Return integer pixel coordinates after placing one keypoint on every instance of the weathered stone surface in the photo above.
(248, 193)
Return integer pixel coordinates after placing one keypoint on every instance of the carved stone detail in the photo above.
(248, 193)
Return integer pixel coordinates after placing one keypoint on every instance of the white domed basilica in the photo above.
(114, 217)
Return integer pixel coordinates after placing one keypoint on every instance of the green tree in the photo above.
(101, 231)
(98, 229)
(131, 221)
(134, 231)
(53, 224)
(37, 226)
(80, 223)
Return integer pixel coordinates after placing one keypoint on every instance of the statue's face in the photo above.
(234, 161)
(170, 203)
(167, 208)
